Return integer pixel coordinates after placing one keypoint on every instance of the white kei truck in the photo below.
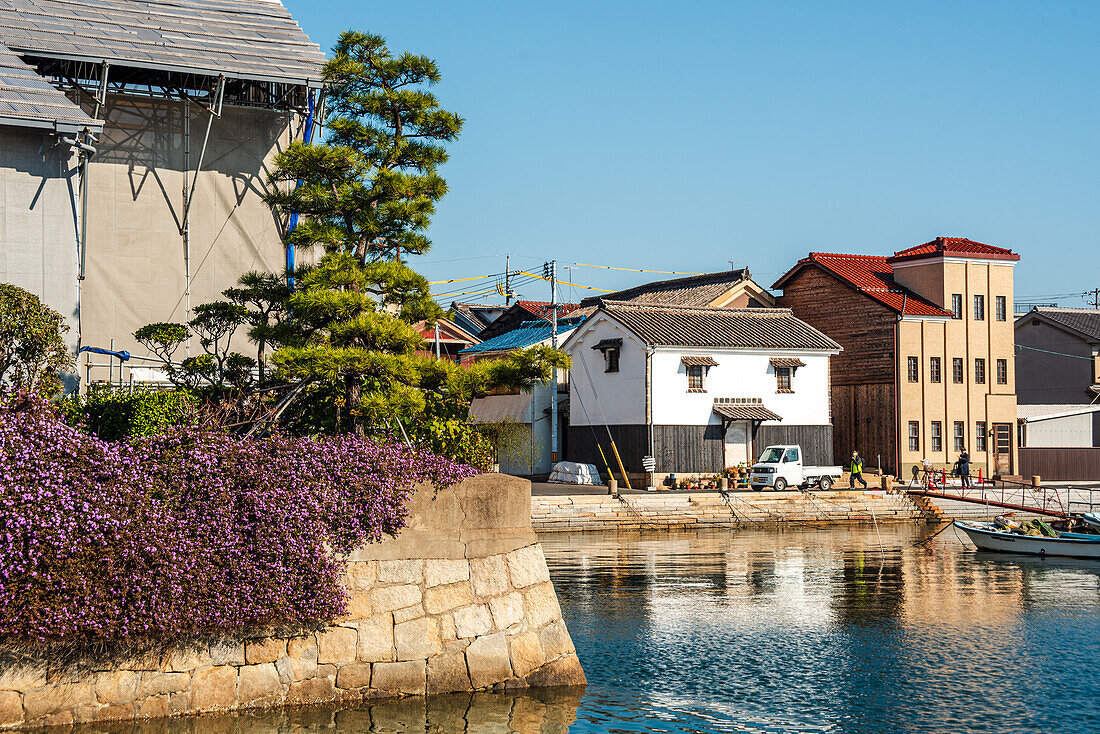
(781, 466)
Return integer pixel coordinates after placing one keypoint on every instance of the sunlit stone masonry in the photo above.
(460, 601)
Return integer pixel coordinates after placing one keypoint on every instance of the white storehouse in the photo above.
(699, 389)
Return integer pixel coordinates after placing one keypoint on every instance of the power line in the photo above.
(562, 282)
(1059, 354)
(635, 270)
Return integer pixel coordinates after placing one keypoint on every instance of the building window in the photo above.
(979, 436)
(958, 373)
(611, 359)
(783, 379)
(914, 436)
(979, 371)
(960, 436)
(1002, 308)
(695, 378)
(956, 305)
(914, 370)
(934, 369)
(1002, 371)
(937, 436)
(979, 308)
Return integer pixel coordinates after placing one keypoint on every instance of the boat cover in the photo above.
(570, 472)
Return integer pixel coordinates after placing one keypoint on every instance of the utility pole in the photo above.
(552, 268)
(1095, 296)
(507, 280)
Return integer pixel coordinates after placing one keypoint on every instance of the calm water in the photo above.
(797, 631)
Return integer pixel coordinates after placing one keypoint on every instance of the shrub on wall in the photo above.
(113, 413)
(32, 346)
(188, 534)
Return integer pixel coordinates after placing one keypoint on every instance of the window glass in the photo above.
(979, 371)
(792, 455)
(979, 436)
(960, 436)
(914, 436)
(611, 358)
(783, 379)
(934, 369)
(695, 377)
(979, 308)
(1002, 371)
(1002, 308)
(937, 436)
(957, 370)
(771, 456)
(956, 305)
(914, 369)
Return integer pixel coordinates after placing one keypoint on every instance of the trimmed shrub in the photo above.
(184, 535)
(113, 413)
(32, 349)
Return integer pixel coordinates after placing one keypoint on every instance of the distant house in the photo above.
(927, 369)
(445, 339)
(527, 445)
(475, 317)
(1058, 377)
(523, 311)
(724, 289)
(698, 388)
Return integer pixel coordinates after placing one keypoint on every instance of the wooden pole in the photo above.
(626, 479)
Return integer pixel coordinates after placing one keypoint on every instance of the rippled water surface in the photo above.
(832, 630)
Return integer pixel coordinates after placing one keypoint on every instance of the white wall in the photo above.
(739, 374)
(1070, 431)
(597, 397)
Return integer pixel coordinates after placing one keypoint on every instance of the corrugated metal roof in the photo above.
(729, 328)
(525, 335)
(243, 39)
(1085, 321)
(955, 247)
(871, 275)
(693, 290)
(498, 408)
(28, 100)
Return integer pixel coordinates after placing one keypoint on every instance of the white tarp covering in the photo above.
(569, 472)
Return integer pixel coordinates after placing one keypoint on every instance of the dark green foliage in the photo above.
(113, 413)
(33, 353)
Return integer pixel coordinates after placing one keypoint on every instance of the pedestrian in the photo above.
(964, 468)
(857, 470)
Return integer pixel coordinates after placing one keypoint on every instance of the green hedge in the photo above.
(113, 414)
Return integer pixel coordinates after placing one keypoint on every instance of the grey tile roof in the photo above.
(730, 328)
(28, 100)
(693, 290)
(745, 412)
(243, 39)
(1085, 321)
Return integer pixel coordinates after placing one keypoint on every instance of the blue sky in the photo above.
(679, 136)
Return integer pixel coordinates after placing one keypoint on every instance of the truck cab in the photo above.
(781, 466)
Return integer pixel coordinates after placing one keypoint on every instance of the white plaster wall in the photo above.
(597, 397)
(1071, 431)
(38, 220)
(739, 374)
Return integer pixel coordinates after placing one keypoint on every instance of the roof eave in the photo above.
(57, 126)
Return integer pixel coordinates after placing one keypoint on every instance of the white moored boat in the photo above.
(989, 537)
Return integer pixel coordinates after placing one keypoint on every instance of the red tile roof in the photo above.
(541, 309)
(954, 247)
(871, 275)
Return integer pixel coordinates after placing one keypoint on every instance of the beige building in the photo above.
(928, 364)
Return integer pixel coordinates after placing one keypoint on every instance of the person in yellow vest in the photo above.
(857, 470)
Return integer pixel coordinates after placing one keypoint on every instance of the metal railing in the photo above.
(1006, 493)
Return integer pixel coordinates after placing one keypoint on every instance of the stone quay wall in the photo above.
(684, 511)
(460, 601)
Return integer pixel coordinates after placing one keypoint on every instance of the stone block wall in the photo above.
(683, 511)
(460, 601)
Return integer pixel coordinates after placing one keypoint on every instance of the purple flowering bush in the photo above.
(188, 534)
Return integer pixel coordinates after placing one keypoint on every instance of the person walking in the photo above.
(964, 468)
(857, 470)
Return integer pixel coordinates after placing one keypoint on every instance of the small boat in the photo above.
(991, 537)
(1091, 519)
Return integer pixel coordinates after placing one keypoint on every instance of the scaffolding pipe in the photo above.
(307, 138)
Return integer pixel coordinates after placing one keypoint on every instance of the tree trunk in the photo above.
(353, 392)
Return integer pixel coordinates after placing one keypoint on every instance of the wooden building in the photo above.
(927, 369)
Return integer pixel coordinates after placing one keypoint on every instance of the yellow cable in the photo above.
(459, 280)
(637, 270)
(464, 293)
(562, 282)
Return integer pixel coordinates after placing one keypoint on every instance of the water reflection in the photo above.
(537, 712)
(847, 630)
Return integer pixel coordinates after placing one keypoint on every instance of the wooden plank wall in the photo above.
(1061, 465)
(697, 449)
(816, 441)
(862, 376)
(632, 442)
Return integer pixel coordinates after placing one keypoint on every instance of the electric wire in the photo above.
(636, 270)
